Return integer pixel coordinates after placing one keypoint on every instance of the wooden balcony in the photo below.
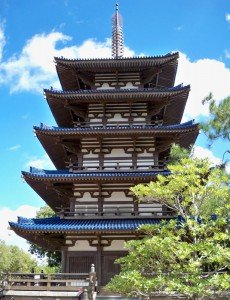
(122, 211)
(44, 282)
(117, 124)
(116, 164)
(66, 286)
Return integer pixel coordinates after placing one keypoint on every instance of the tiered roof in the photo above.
(77, 78)
(72, 72)
(173, 99)
(48, 183)
(53, 138)
(51, 232)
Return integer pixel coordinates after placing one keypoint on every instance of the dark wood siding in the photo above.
(80, 262)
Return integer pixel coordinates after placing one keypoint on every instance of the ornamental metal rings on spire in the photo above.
(117, 35)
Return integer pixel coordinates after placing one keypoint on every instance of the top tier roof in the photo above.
(70, 69)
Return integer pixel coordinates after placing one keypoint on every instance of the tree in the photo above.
(53, 257)
(218, 125)
(188, 256)
(13, 259)
(177, 153)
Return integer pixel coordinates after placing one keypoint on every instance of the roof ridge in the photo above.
(56, 58)
(179, 87)
(44, 127)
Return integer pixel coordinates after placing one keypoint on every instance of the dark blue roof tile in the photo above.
(162, 128)
(39, 173)
(56, 224)
(179, 87)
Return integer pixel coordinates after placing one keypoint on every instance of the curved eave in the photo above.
(47, 184)
(95, 96)
(65, 176)
(59, 101)
(132, 62)
(53, 142)
(53, 241)
(67, 69)
(117, 130)
(84, 226)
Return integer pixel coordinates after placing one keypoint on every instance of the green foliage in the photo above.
(177, 153)
(218, 125)
(193, 188)
(13, 259)
(53, 257)
(190, 257)
(45, 212)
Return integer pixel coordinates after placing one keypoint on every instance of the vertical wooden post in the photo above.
(48, 282)
(99, 262)
(100, 201)
(63, 259)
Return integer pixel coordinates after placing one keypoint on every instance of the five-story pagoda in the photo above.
(117, 119)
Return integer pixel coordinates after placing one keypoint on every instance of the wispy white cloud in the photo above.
(33, 68)
(201, 152)
(227, 17)
(11, 215)
(204, 76)
(2, 40)
(178, 28)
(25, 116)
(42, 162)
(14, 148)
(227, 53)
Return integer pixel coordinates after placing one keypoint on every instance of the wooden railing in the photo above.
(54, 282)
(92, 164)
(117, 211)
(116, 123)
(64, 282)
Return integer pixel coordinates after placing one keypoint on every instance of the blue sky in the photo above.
(32, 32)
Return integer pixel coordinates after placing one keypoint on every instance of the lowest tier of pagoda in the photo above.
(117, 119)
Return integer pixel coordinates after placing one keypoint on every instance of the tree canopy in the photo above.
(218, 125)
(13, 259)
(189, 255)
(53, 257)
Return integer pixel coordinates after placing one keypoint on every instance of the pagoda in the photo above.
(117, 119)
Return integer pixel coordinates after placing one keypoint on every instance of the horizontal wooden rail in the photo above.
(54, 282)
(64, 282)
(114, 211)
(116, 123)
(114, 166)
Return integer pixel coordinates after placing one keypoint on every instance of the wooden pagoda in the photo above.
(117, 119)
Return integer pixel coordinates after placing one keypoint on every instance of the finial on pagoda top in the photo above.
(117, 35)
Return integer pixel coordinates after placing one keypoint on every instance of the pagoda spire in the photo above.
(117, 35)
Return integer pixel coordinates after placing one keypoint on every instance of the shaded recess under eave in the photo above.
(54, 138)
(74, 74)
(171, 100)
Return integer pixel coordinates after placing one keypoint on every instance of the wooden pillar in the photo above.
(100, 200)
(156, 158)
(104, 119)
(130, 114)
(134, 155)
(64, 259)
(135, 206)
(101, 155)
(72, 201)
(99, 262)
